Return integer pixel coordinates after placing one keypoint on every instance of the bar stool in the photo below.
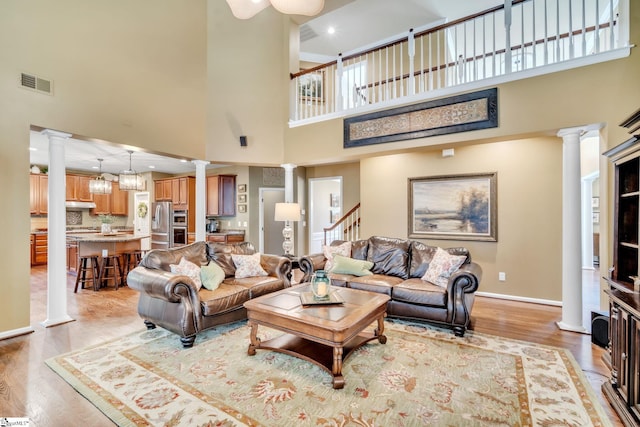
(88, 263)
(130, 261)
(110, 269)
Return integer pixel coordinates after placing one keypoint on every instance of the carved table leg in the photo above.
(338, 379)
(379, 332)
(255, 341)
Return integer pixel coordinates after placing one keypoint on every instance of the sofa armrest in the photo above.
(277, 266)
(163, 285)
(311, 263)
(461, 287)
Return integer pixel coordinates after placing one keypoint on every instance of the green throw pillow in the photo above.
(356, 267)
(212, 275)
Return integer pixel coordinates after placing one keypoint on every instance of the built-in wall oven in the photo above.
(179, 228)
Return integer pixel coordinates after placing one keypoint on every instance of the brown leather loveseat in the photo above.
(174, 302)
(398, 266)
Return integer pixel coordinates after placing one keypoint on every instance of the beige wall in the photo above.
(529, 171)
(248, 86)
(130, 72)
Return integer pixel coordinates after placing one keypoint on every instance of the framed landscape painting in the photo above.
(454, 207)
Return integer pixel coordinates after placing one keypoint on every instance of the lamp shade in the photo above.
(287, 212)
(298, 7)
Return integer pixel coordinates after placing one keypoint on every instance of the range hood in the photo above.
(80, 205)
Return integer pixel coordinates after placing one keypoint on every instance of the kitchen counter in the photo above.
(99, 237)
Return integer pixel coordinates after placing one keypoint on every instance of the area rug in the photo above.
(421, 376)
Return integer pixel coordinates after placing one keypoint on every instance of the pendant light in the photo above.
(245, 9)
(129, 179)
(99, 185)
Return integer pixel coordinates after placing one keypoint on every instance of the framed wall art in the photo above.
(242, 198)
(242, 208)
(454, 207)
(242, 188)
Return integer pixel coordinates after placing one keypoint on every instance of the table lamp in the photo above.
(287, 212)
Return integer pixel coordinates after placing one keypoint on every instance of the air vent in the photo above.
(307, 33)
(30, 81)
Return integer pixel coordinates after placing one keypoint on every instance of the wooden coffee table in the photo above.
(322, 334)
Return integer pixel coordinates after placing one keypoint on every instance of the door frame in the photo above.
(261, 221)
(313, 202)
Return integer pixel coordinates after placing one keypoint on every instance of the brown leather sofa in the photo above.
(173, 301)
(398, 266)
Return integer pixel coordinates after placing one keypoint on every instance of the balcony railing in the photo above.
(501, 41)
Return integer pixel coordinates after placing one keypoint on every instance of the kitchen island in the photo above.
(97, 243)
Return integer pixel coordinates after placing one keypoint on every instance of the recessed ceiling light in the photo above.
(331, 30)
(183, 160)
(256, 1)
(33, 149)
(94, 167)
(151, 167)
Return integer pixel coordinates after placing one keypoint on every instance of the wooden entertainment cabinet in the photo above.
(623, 387)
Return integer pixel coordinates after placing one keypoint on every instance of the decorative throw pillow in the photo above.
(356, 267)
(248, 265)
(343, 249)
(442, 266)
(187, 268)
(211, 275)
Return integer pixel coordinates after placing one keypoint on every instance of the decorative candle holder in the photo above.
(321, 286)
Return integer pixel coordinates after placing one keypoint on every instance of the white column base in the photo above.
(571, 328)
(55, 322)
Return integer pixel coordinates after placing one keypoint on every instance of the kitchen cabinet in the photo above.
(38, 193)
(116, 203)
(221, 195)
(163, 190)
(72, 255)
(236, 237)
(40, 248)
(77, 188)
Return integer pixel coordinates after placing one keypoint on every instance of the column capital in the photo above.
(579, 130)
(288, 166)
(50, 133)
(200, 162)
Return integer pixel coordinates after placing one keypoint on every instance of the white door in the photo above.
(270, 230)
(325, 205)
(142, 219)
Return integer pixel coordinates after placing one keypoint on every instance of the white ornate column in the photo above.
(201, 199)
(571, 231)
(57, 233)
(288, 198)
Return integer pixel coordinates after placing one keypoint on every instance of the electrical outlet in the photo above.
(244, 223)
(502, 276)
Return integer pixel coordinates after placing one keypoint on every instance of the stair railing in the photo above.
(346, 228)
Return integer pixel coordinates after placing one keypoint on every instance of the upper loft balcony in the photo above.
(512, 41)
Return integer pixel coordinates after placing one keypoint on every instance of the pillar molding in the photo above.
(57, 232)
(571, 231)
(201, 199)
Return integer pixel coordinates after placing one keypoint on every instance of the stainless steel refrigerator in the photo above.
(161, 225)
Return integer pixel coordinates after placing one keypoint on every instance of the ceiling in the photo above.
(357, 23)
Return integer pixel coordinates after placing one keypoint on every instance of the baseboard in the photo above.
(16, 332)
(521, 299)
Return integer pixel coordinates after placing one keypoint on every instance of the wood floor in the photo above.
(28, 388)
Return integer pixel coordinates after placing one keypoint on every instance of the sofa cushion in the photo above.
(389, 256)
(220, 253)
(421, 256)
(211, 275)
(161, 259)
(417, 291)
(248, 265)
(330, 251)
(189, 269)
(346, 265)
(226, 298)
(258, 285)
(378, 283)
(359, 249)
(442, 266)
